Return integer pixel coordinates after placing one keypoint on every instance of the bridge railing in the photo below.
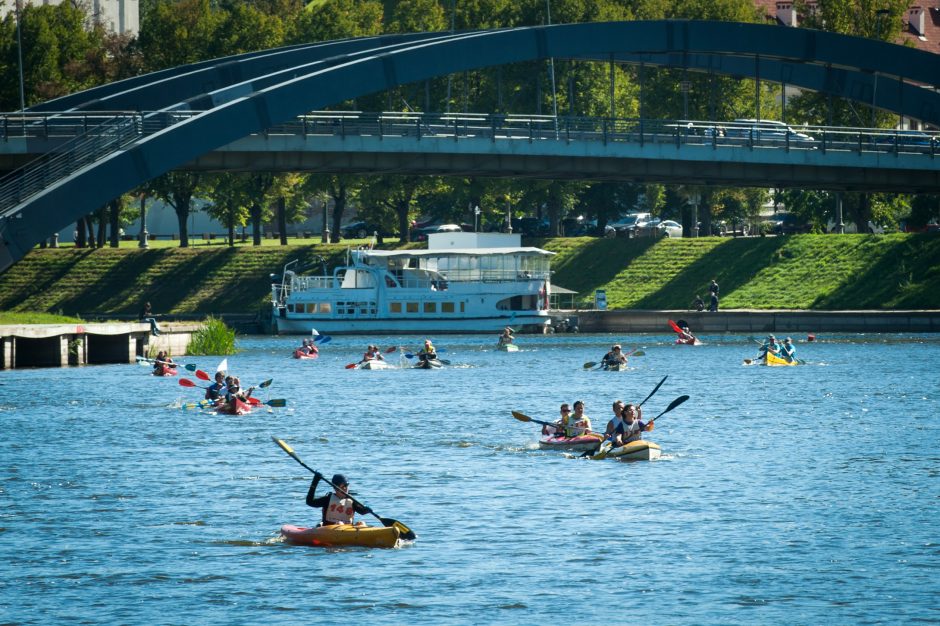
(85, 138)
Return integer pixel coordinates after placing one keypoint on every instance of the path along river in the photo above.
(785, 495)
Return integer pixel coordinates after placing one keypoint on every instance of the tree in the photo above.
(288, 193)
(229, 201)
(177, 32)
(177, 189)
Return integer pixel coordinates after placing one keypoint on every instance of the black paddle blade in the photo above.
(406, 533)
(675, 403)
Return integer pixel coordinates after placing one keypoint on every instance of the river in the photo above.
(795, 495)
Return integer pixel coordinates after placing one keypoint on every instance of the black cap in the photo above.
(339, 479)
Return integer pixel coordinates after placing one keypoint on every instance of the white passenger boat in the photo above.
(463, 282)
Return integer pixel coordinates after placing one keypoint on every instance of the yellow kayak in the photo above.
(341, 535)
(772, 359)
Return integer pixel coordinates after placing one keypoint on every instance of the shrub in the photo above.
(214, 338)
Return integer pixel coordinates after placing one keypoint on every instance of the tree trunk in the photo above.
(90, 228)
(256, 224)
(114, 210)
(554, 210)
(102, 230)
(282, 220)
(80, 234)
(339, 207)
(230, 223)
(182, 217)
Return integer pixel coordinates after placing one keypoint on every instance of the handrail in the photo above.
(90, 137)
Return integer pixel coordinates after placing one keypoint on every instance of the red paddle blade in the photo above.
(254, 401)
(185, 382)
(202, 375)
(350, 366)
(392, 349)
(675, 326)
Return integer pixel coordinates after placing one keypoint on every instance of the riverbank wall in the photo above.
(754, 321)
(60, 345)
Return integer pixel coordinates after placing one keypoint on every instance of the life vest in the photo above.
(631, 432)
(339, 510)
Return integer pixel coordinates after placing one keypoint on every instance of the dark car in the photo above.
(630, 225)
(909, 141)
(787, 224)
(361, 230)
(530, 226)
(421, 234)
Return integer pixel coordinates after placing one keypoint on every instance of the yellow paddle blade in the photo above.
(522, 417)
(286, 448)
(638, 353)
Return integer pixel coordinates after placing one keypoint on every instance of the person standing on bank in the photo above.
(338, 507)
(146, 315)
(713, 291)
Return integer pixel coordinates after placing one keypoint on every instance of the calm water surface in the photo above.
(785, 495)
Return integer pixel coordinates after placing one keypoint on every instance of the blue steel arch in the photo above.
(257, 104)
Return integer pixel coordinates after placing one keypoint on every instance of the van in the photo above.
(767, 132)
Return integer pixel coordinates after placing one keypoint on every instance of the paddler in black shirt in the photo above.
(338, 507)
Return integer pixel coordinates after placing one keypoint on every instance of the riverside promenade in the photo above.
(755, 321)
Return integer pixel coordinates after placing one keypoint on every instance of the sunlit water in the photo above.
(791, 495)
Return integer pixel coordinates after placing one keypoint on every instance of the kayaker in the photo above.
(562, 424)
(427, 353)
(162, 363)
(614, 357)
(216, 389)
(506, 337)
(235, 390)
(372, 354)
(770, 345)
(616, 422)
(581, 421)
(787, 350)
(686, 336)
(630, 427)
(338, 507)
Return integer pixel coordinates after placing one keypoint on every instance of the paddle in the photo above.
(322, 339)
(406, 533)
(607, 446)
(392, 349)
(409, 355)
(190, 366)
(655, 389)
(279, 402)
(201, 375)
(522, 417)
(675, 327)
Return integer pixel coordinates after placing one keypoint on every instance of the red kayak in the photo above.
(238, 408)
(299, 354)
(164, 371)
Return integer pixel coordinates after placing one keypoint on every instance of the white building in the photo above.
(118, 16)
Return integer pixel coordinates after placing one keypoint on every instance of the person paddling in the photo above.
(616, 422)
(630, 427)
(217, 388)
(338, 507)
(372, 353)
(788, 350)
(770, 346)
(614, 357)
(163, 363)
(560, 427)
(685, 335)
(427, 353)
(506, 337)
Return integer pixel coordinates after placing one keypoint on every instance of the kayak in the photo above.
(373, 365)
(508, 347)
(428, 365)
(635, 451)
(615, 367)
(298, 354)
(685, 342)
(772, 359)
(572, 444)
(341, 535)
(240, 408)
(164, 371)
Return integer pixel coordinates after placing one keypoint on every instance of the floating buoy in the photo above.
(811, 337)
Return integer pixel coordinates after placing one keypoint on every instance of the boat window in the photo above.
(463, 307)
(324, 307)
(311, 307)
(290, 308)
(394, 307)
(447, 307)
(411, 307)
(430, 307)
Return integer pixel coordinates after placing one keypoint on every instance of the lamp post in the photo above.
(476, 219)
(19, 53)
(142, 239)
(694, 199)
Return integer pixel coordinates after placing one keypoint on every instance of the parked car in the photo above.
(670, 228)
(421, 234)
(530, 226)
(909, 141)
(629, 225)
(768, 132)
(361, 230)
(732, 229)
(787, 224)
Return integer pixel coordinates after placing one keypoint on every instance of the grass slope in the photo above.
(802, 271)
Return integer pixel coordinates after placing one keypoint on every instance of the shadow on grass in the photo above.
(906, 275)
(597, 262)
(49, 272)
(732, 264)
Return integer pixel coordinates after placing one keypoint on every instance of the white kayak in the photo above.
(634, 451)
(374, 364)
(508, 347)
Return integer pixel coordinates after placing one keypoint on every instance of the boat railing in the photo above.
(304, 283)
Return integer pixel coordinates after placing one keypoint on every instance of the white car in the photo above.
(670, 228)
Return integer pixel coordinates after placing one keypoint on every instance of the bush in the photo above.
(214, 338)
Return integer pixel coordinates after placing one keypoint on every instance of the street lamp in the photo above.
(19, 53)
(476, 219)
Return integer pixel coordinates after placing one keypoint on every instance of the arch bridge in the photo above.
(207, 108)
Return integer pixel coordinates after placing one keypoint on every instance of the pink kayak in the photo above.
(573, 444)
